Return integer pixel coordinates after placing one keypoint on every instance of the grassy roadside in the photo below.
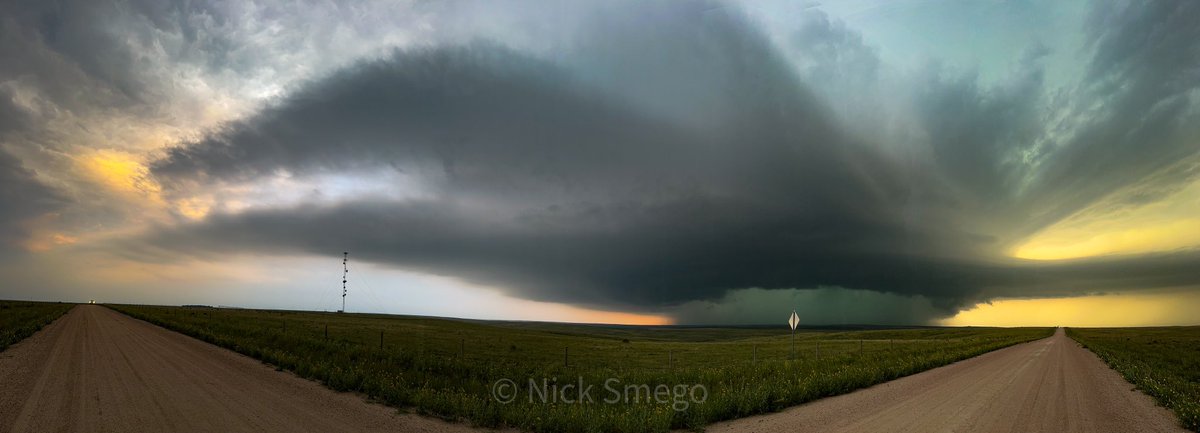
(20, 319)
(1163, 362)
(449, 368)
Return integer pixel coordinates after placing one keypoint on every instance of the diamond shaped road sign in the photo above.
(794, 320)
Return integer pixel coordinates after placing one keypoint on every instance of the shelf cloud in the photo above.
(686, 157)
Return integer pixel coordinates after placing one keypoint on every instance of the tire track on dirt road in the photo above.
(97, 370)
(1051, 385)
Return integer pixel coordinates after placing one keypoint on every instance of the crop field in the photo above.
(1163, 362)
(451, 368)
(19, 319)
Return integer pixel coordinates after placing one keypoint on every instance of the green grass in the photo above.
(20, 319)
(447, 368)
(1163, 362)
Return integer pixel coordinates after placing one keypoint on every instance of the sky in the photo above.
(652, 162)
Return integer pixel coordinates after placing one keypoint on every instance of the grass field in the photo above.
(20, 319)
(449, 368)
(1162, 362)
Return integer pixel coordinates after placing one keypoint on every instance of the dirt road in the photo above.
(96, 370)
(1051, 385)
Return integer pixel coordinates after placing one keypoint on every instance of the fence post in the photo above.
(380, 339)
(462, 348)
(326, 332)
(566, 356)
(670, 360)
(754, 358)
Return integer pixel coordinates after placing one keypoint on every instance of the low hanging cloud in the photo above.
(689, 161)
(23, 199)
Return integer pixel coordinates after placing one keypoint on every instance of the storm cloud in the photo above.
(660, 164)
(23, 198)
(565, 189)
(702, 159)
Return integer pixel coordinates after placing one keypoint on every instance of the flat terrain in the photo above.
(19, 319)
(1163, 362)
(1050, 385)
(448, 368)
(97, 370)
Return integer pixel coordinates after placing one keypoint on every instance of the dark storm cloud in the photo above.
(468, 114)
(161, 63)
(22, 199)
(978, 134)
(848, 69)
(68, 53)
(124, 55)
(825, 305)
(1136, 107)
(12, 118)
(628, 255)
(677, 155)
(592, 194)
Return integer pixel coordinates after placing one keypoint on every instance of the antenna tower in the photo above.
(345, 270)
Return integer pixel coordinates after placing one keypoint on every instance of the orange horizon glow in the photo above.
(563, 313)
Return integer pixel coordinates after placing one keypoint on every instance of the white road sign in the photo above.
(794, 320)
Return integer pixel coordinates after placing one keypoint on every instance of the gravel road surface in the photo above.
(1051, 385)
(96, 370)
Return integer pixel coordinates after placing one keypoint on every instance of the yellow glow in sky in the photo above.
(194, 208)
(1167, 224)
(1152, 309)
(120, 172)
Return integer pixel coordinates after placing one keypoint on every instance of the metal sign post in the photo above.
(793, 321)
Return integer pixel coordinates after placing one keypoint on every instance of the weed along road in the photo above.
(97, 370)
(1051, 385)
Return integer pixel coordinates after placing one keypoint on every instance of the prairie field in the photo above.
(20, 319)
(1163, 362)
(454, 369)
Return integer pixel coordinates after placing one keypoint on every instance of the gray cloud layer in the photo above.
(22, 199)
(677, 154)
(576, 189)
(638, 155)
